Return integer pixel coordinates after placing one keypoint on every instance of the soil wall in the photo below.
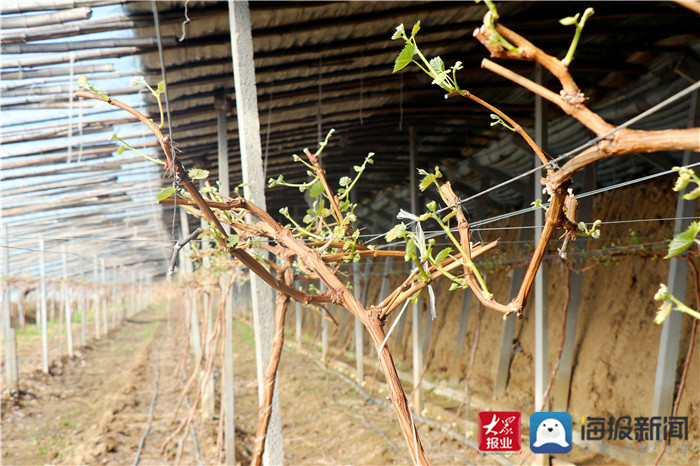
(617, 341)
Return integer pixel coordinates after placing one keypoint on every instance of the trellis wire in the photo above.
(571, 153)
(591, 142)
(167, 100)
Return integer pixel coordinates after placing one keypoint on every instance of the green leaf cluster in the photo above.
(125, 145)
(319, 223)
(669, 304)
(685, 177)
(157, 92)
(593, 232)
(684, 240)
(198, 174)
(84, 84)
(435, 67)
(420, 252)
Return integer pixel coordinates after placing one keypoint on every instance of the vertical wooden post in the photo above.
(52, 315)
(68, 305)
(251, 165)
(461, 334)
(82, 297)
(115, 296)
(540, 287)
(44, 310)
(664, 384)
(20, 311)
(105, 319)
(123, 293)
(208, 383)
(426, 333)
(415, 308)
(562, 383)
(96, 302)
(11, 376)
(11, 366)
(132, 293)
(195, 335)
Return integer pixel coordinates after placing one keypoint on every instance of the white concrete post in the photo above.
(251, 164)
(96, 302)
(68, 304)
(229, 409)
(44, 310)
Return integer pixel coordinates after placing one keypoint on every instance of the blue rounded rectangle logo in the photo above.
(550, 432)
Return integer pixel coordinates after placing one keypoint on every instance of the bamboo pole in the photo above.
(28, 6)
(57, 71)
(58, 17)
(72, 46)
(54, 59)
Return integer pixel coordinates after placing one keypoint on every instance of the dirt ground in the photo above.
(94, 408)
(88, 412)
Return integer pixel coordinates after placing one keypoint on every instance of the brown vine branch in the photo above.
(281, 307)
(555, 370)
(516, 127)
(329, 192)
(176, 250)
(337, 293)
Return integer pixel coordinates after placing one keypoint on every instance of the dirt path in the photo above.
(94, 409)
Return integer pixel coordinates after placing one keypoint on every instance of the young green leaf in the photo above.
(416, 28)
(405, 57)
(410, 249)
(198, 174)
(428, 178)
(396, 232)
(570, 20)
(437, 65)
(165, 193)
(442, 255)
(683, 241)
(400, 32)
(345, 181)
(316, 189)
(121, 150)
(136, 81)
(695, 193)
(161, 87)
